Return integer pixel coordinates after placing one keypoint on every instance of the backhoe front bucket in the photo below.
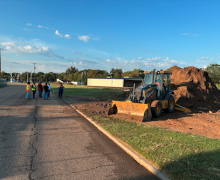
(131, 108)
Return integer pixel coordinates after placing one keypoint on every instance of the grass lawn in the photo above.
(88, 91)
(182, 156)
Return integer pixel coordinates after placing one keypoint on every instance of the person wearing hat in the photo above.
(34, 90)
(28, 89)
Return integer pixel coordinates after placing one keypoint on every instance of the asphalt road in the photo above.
(48, 139)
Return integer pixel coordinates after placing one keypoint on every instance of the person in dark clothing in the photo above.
(46, 90)
(60, 90)
(33, 90)
(40, 89)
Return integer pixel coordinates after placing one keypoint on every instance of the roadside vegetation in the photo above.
(214, 73)
(181, 156)
(90, 91)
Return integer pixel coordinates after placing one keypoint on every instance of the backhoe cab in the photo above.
(156, 85)
(153, 96)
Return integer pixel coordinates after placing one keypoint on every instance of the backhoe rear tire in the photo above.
(156, 108)
(171, 104)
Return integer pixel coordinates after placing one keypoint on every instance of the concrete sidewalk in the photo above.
(47, 139)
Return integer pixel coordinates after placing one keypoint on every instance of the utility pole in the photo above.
(31, 77)
(27, 77)
(10, 73)
(18, 76)
(0, 64)
(34, 71)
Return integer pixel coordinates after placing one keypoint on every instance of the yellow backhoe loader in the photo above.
(153, 96)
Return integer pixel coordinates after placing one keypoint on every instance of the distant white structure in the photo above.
(58, 80)
(77, 83)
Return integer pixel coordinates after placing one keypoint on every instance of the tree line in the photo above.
(73, 74)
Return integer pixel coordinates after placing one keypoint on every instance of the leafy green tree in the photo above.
(71, 70)
(23, 76)
(214, 72)
(39, 76)
(117, 73)
(135, 73)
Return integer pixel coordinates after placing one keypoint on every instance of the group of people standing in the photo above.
(46, 88)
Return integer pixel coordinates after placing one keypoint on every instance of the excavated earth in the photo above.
(193, 89)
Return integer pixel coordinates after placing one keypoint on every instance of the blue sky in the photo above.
(108, 34)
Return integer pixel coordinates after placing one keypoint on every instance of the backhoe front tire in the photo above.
(156, 108)
(171, 104)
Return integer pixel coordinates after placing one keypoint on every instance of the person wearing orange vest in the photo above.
(60, 90)
(28, 89)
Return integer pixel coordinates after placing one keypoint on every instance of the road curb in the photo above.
(127, 149)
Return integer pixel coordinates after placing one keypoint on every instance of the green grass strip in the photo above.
(183, 156)
(88, 91)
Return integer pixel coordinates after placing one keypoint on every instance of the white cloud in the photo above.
(153, 59)
(42, 68)
(185, 34)
(8, 44)
(79, 63)
(46, 27)
(110, 61)
(204, 59)
(29, 49)
(133, 60)
(61, 35)
(45, 48)
(29, 24)
(25, 29)
(84, 38)
(205, 66)
(67, 36)
(218, 57)
(57, 33)
(97, 39)
(39, 26)
(79, 53)
(149, 63)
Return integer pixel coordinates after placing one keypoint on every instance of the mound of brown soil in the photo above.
(194, 88)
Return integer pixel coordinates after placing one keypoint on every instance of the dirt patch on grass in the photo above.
(193, 89)
(205, 124)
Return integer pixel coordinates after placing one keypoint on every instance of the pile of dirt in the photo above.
(193, 88)
(97, 108)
